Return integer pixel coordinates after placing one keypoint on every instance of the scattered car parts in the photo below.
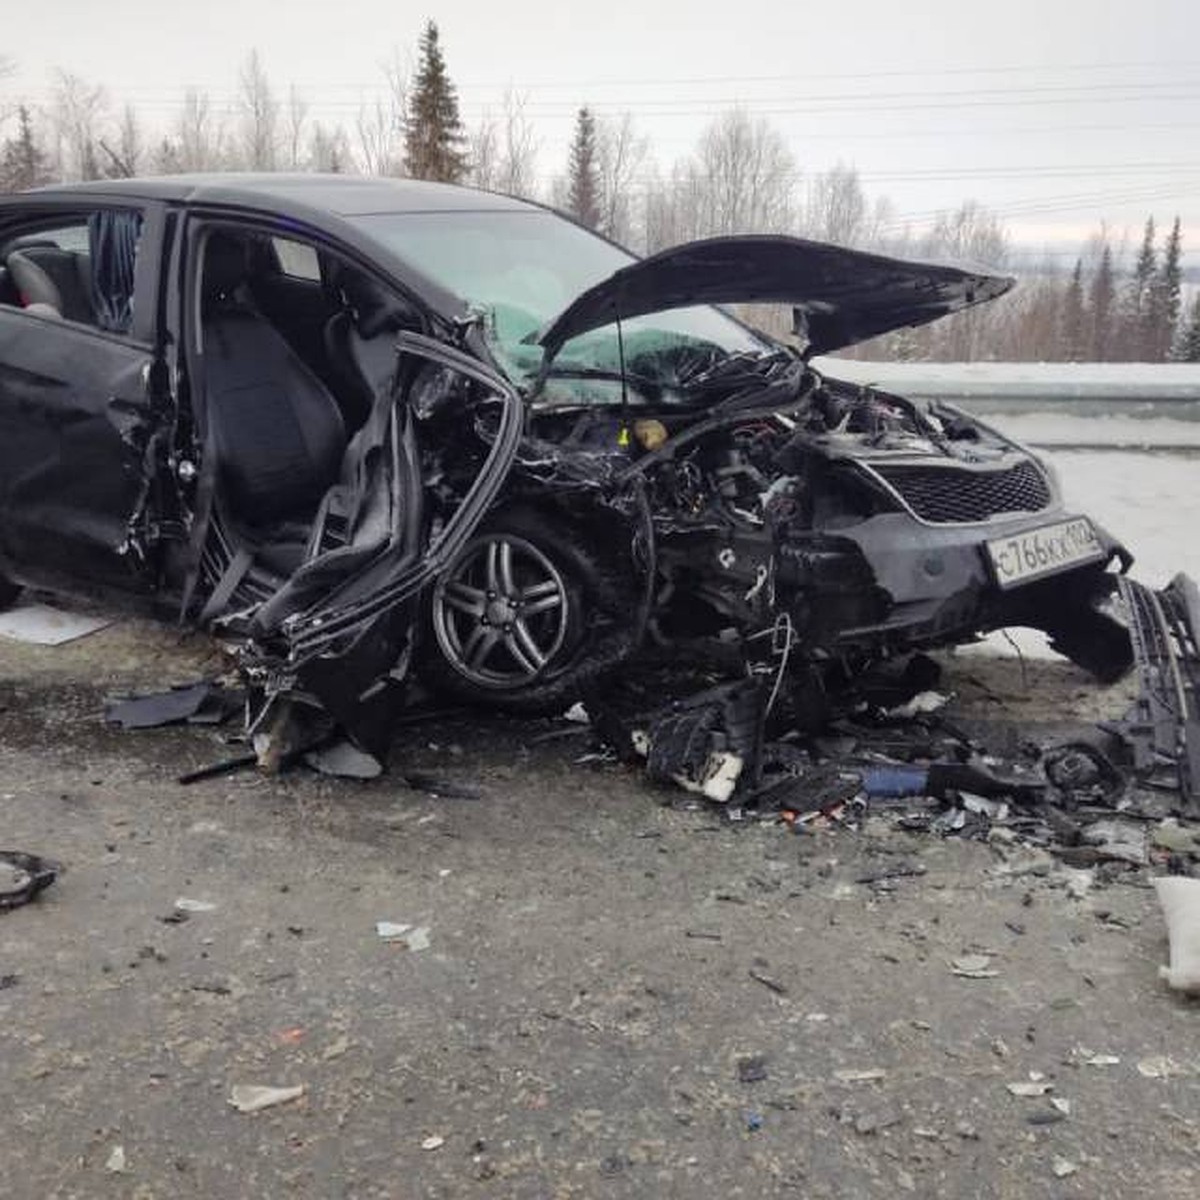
(24, 876)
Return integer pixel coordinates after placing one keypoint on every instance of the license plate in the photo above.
(1024, 556)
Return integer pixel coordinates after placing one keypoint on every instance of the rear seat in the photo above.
(55, 277)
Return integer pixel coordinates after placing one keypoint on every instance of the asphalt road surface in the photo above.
(619, 997)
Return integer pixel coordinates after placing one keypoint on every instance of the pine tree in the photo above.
(1188, 347)
(1072, 328)
(1162, 313)
(23, 163)
(433, 135)
(1135, 311)
(1100, 308)
(583, 171)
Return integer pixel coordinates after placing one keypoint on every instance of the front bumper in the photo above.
(939, 585)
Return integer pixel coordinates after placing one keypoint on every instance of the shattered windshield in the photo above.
(520, 269)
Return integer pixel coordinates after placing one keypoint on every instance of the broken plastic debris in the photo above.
(183, 904)
(344, 759)
(974, 966)
(1030, 1087)
(23, 876)
(1180, 901)
(41, 625)
(1062, 1104)
(252, 1097)
(1159, 1066)
(1102, 1060)
(116, 1161)
(577, 714)
(751, 1068)
(869, 1075)
(433, 1142)
(922, 702)
(1062, 1167)
(412, 937)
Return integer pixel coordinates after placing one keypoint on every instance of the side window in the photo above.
(297, 259)
(80, 269)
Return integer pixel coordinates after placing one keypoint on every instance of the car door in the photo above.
(78, 410)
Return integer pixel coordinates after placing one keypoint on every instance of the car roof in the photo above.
(339, 195)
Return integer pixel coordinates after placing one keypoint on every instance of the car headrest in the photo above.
(33, 283)
(224, 265)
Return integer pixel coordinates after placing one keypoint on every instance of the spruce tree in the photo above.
(1101, 298)
(1072, 329)
(23, 163)
(1188, 347)
(1135, 314)
(583, 171)
(433, 134)
(1162, 314)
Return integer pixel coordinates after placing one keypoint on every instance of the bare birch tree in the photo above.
(199, 138)
(621, 154)
(259, 112)
(296, 120)
(380, 125)
(77, 113)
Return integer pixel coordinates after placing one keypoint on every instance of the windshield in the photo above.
(520, 269)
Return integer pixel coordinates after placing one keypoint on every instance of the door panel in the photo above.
(75, 416)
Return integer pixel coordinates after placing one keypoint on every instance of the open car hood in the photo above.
(840, 296)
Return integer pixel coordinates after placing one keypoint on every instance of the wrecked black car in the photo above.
(367, 429)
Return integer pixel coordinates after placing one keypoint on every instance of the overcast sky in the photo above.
(1057, 113)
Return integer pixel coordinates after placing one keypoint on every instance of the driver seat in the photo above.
(277, 432)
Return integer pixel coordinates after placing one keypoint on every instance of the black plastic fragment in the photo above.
(26, 877)
(200, 703)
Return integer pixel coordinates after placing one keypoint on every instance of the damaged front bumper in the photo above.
(940, 584)
(1163, 727)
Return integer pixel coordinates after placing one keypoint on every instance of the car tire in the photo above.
(526, 617)
(9, 592)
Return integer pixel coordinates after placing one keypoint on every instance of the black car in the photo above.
(363, 428)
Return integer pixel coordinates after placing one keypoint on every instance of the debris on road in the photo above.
(116, 1162)
(974, 966)
(1163, 728)
(202, 703)
(42, 625)
(1159, 1066)
(184, 904)
(771, 984)
(865, 1075)
(1180, 901)
(1030, 1087)
(1062, 1167)
(751, 1068)
(433, 1142)
(253, 1097)
(23, 876)
(411, 937)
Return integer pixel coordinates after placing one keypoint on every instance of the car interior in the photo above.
(81, 272)
(293, 362)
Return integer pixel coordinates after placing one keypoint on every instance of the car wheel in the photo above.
(9, 592)
(520, 620)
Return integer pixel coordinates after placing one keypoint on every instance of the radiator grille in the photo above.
(947, 495)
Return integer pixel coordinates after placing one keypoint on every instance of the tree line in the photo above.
(740, 177)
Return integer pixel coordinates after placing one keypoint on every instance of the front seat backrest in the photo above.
(278, 434)
(360, 339)
(49, 275)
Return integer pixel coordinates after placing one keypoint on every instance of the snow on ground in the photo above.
(1149, 500)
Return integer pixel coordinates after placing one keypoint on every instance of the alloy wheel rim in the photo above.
(501, 612)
